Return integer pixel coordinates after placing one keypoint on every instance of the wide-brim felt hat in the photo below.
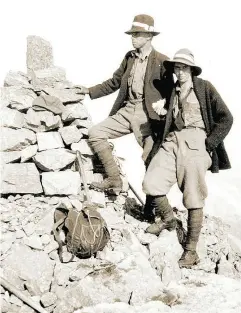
(184, 56)
(143, 23)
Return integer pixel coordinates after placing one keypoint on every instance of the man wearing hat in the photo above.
(197, 121)
(142, 81)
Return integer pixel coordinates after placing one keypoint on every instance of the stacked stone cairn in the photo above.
(43, 124)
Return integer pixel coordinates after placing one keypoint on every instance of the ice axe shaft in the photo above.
(136, 194)
(21, 296)
(82, 175)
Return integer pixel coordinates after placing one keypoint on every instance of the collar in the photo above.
(142, 56)
(188, 85)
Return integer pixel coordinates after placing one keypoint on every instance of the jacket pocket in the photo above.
(194, 144)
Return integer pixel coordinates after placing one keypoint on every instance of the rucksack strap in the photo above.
(56, 230)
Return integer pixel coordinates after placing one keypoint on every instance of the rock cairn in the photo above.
(43, 123)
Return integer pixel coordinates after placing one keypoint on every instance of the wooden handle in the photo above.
(21, 296)
(82, 175)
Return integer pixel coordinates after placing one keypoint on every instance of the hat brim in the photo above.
(137, 29)
(169, 65)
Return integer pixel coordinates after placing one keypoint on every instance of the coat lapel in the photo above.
(150, 66)
(169, 114)
(199, 88)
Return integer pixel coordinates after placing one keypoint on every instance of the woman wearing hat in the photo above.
(197, 121)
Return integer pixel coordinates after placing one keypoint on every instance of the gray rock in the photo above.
(97, 198)
(11, 118)
(77, 204)
(45, 239)
(49, 103)
(26, 309)
(54, 159)
(20, 234)
(62, 272)
(226, 268)
(48, 299)
(28, 153)
(9, 156)
(117, 283)
(70, 134)
(21, 262)
(49, 140)
(74, 111)
(82, 123)
(61, 183)
(64, 95)
(16, 79)
(33, 242)
(42, 121)
(14, 300)
(45, 224)
(52, 246)
(29, 229)
(19, 98)
(164, 255)
(83, 147)
(21, 178)
(47, 77)
(39, 53)
(63, 307)
(12, 140)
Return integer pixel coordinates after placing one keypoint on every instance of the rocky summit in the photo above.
(43, 123)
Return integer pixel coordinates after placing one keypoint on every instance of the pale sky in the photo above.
(88, 40)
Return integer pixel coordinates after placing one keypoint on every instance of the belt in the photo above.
(193, 127)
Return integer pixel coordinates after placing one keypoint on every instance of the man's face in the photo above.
(183, 72)
(140, 39)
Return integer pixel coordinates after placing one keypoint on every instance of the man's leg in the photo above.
(194, 226)
(113, 127)
(144, 136)
(193, 162)
(159, 178)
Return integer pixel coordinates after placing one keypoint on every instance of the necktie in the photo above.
(179, 122)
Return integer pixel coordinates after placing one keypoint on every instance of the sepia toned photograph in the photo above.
(120, 172)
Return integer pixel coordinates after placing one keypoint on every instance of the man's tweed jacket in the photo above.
(217, 119)
(156, 83)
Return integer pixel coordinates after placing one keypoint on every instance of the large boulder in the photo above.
(54, 159)
(42, 121)
(61, 183)
(12, 140)
(33, 267)
(39, 53)
(16, 79)
(64, 95)
(49, 140)
(18, 98)
(11, 118)
(20, 178)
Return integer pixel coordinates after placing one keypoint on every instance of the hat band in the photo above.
(143, 25)
(184, 57)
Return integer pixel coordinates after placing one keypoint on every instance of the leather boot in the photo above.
(164, 217)
(194, 225)
(148, 214)
(113, 183)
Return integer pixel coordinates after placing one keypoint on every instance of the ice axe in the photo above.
(21, 296)
(136, 194)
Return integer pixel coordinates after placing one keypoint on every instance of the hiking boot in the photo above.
(111, 185)
(157, 227)
(188, 259)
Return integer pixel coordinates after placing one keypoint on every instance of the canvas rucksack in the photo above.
(86, 231)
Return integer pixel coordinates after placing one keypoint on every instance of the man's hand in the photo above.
(158, 107)
(81, 89)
